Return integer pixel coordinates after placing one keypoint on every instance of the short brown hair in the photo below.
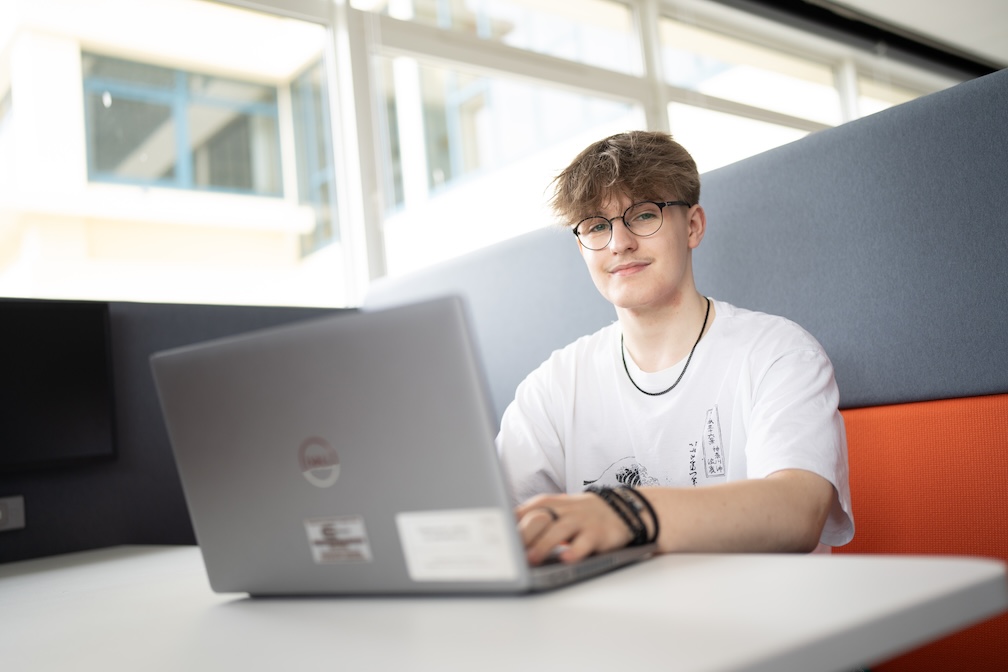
(644, 165)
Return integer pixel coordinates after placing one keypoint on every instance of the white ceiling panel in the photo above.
(975, 27)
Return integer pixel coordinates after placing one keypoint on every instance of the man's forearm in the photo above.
(785, 511)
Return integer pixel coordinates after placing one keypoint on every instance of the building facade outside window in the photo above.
(163, 153)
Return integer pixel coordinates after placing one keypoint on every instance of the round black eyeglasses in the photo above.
(641, 219)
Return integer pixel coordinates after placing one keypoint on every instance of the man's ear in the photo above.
(697, 224)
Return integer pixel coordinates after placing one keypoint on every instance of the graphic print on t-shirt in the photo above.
(713, 451)
(625, 472)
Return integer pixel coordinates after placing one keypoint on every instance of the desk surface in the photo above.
(151, 608)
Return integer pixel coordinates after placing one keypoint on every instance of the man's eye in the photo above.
(593, 227)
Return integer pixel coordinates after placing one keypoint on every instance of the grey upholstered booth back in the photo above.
(887, 238)
(137, 497)
(527, 297)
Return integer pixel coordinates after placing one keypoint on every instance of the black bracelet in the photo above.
(638, 502)
(626, 512)
(632, 504)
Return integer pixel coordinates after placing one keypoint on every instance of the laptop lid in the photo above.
(351, 454)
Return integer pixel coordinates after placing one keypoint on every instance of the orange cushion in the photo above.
(932, 478)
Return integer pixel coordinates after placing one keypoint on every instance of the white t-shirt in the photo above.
(758, 396)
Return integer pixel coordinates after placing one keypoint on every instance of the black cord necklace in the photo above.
(681, 373)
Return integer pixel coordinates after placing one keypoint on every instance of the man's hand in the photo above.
(575, 525)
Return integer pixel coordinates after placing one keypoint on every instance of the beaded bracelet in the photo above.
(639, 502)
(628, 509)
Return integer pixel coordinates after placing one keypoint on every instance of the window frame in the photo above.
(179, 99)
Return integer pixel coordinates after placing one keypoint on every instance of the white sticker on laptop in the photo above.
(458, 545)
(337, 540)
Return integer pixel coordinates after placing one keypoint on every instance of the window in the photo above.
(314, 150)
(6, 140)
(5, 108)
(201, 151)
(876, 93)
(185, 155)
(468, 157)
(595, 32)
(152, 125)
(725, 67)
(716, 139)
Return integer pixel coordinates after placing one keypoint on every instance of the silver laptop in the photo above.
(351, 454)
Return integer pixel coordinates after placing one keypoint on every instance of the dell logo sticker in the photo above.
(319, 462)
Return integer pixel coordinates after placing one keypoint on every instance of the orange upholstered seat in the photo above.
(932, 478)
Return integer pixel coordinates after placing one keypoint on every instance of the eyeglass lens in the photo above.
(642, 219)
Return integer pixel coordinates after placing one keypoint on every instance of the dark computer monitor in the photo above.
(56, 400)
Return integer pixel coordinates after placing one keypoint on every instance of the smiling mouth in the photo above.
(628, 269)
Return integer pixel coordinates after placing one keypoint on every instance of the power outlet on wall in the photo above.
(11, 513)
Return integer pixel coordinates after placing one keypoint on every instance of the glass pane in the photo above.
(314, 151)
(722, 66)
(876, 94)
(231, 150)
(472, 157)
(596, 32)
(5, 107)
(6, 140)
(716, 139)
(227, 138)
(130, 139)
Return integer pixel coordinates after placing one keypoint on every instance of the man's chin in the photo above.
(629, 301)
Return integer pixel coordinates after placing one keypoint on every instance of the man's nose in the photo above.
(621, 239)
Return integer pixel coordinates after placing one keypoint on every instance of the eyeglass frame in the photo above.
(661, 209)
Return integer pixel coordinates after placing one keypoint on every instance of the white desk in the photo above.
(151, 609)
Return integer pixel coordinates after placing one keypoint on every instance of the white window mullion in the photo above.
(656, 105)
(356, 159)
(402, 38)
(409, 120)
(679, 95)
(846, 78)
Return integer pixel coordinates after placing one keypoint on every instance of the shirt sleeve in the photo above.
(529, 445)
(796, 424)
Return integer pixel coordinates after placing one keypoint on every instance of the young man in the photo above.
(688, 422)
